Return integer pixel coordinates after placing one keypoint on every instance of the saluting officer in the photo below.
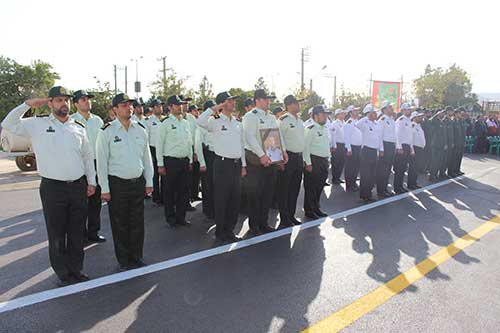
(368, 155)
(229, 163)
(418, 146)
(152, 126)
(174, 151)
(139, 112)
(404, 148)
(353, 140)
(337, 145)
(316, 156)
(66, 164)
(439, 147)
(126, 174)
(262, 172)
(289, 180)
(93, 124)
(387, 129)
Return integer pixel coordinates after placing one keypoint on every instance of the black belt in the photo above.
(390, 143)
(292, 153)
(79, 180)
(234, 160)
(177, 158)
(370, 148)
(132, 180)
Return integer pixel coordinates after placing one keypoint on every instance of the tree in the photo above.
(204, 92)
(311, 99)
(103, 98)
(261, 84)
(438, 87)
(172, 85)
(20, 82)
(347, 98)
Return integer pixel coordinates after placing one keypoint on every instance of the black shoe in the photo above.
(136, 264)
(253, 232)
(414, 187)
(221, 238)
(326, 184)
(382, 195)
(190, 208)
(311, 215)
(284, 225)
(294, 221)
(353, 188)
(66, 281)
(320, 213)
(233, 238)
(336, 182)
(433, 179)
(460, 173)
(367, 200)
(96, 239)
(193, 199)
(80, 277)
(389, 193)
(184, 223)
(266, 229)
(122, 268)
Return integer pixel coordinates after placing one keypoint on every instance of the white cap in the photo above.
(385, 104)
(406, 106)
(368, 108)
(310, 111)
(339, 111)
(415, 114)
(351, 108)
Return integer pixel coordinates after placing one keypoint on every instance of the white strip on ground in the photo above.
(118, 277)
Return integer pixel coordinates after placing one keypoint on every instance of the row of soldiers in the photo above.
(83, 161)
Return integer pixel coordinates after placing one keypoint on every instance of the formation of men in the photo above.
(169, 153)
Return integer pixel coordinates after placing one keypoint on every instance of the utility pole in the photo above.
(164, 71)
(115, 79)
(126, 82)
(303, 59)
(371, 83)
(334, 90)
(310, 84)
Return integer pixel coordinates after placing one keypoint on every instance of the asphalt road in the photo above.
(284, 284)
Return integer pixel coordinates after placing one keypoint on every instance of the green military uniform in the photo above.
(459, 145)
(316, 154)
(450, 143)
(438, 148)
(427, 128)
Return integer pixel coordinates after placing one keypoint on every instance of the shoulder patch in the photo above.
(349, 121)
(147, 118)
(283, 117)
(79, 123)
(42, 115)
(162, 120)
(383, 118)
(310, 126)
(216, 116)
(138, 123)
(106, 126)
(255, 111)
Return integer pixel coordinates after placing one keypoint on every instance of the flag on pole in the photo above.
(386, 91)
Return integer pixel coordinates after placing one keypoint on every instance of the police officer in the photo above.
(125, 173)
(418, 148)
(447, 167)
(289, 180)
(353, 140)
(206, 158)
(427, 128)
(387, 129)
(439, 147)
(152, 127)
(66, 164)
(261, 171)
(174, 151)
(139, 112)
(248, 105)
(229, 163)
(368, 154)
(460, 134)
(404, 148)
(93, 124)
(316, 156)
(337, 145)
(191, 117)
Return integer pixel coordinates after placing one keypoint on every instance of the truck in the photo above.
(20, 148)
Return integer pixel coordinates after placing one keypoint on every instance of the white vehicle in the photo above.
(20, 148)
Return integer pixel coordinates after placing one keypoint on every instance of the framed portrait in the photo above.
(271, 144)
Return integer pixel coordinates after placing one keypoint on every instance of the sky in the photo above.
(235, 42)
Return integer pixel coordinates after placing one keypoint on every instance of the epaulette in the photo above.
(42, 115)
(382, 118)
(349, 121)
(216, 116)
(310, 126)
(146, 118)
(79, 123)
(106, 126)
(255, 111)
(162, 120)
(138, 123)
(283, 116)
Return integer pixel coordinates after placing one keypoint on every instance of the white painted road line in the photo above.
(118, 277)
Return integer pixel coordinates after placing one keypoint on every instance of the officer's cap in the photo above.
(248, 102)
(385, 104)
(192, 107)
(351, 108)
(121, 98)
(138, 102)
(339, 111)
(406, 106)
(208, 104)
(224, 96)
(277, 110)
(175, 100)
(58, 91)
(79, 94)
(185, 99)
(317, 109)
(415, 114)
(262, 94)
(156, 102)
(290, 99)
(369, 108)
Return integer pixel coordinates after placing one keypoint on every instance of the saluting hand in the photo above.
(106, 196)
(37, 102)
(90, 190)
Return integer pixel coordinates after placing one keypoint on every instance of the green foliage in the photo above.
(20, 82)
(261, 84)
(311, 99)
(204, 92)
(347, 98)
(439, 87)
(103, 98)
(172, 85)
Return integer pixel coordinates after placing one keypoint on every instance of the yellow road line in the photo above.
(382, 294)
